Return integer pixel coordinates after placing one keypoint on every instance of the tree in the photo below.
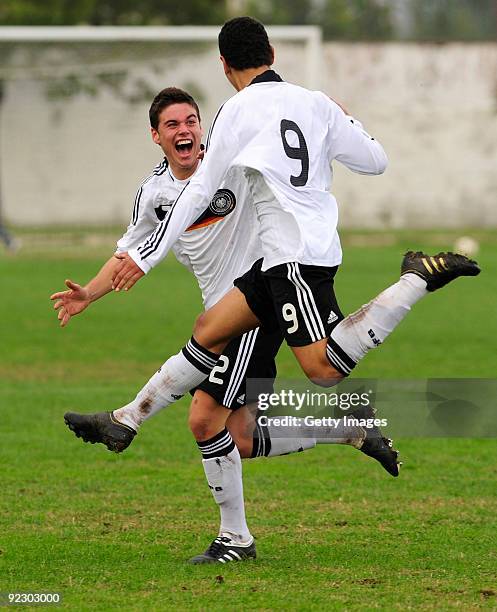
(340, 19)
(111, 12)
(443, 20)
(48, 12)
(281, 12)
(355, 20)
(158, 12)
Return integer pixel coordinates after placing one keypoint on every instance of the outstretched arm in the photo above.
(77, 298)
(143, 222)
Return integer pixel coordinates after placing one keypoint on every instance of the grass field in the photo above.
(334, 531)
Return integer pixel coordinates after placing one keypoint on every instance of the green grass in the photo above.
(334, 531)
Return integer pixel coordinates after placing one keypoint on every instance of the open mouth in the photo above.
(184, 147)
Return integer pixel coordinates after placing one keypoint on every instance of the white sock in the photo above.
(274, 440)
(369, 326)
(288, 445)
(339, 433)
(175, 377)
(224, 476)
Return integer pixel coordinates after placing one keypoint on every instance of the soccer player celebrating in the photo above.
(284, 138)
(175, 126)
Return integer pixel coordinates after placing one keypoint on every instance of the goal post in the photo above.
(310, 36)
(74, 132)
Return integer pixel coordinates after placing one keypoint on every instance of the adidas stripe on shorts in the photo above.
(249, 356)
(298, 299)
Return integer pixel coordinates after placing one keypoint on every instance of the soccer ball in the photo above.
(466, 246)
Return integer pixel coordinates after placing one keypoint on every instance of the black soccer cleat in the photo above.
(101, 427)
(375, 445)
(224, 550)
(438, 270)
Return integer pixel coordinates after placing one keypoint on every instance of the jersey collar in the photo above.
(177, 180)
(267, 77)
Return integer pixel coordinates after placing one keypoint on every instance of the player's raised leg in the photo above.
(184, 371)
(368, 327)
(252, 358)
(302, 317)
(328, 361)
(175, 377)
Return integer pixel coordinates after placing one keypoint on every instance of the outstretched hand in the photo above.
(126, 274)
(70, 302)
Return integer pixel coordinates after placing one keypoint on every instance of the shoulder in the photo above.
(158, 189)
(159, 170)
(315, 96)
(229, 108)
(226, 116)
(159, 178)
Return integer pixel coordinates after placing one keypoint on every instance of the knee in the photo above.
(200, 427)
(323, 374)
(207, 336)
(200, 325)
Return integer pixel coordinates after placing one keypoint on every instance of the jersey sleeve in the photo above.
(143, 221)
(352, 146)
(222, 147)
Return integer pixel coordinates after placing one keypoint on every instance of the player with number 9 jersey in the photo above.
(285, 138)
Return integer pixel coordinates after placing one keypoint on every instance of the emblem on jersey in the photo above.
(223, 202)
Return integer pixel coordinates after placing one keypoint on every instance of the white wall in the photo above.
(433, 107)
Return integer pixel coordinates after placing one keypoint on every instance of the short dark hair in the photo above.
(166, 97)
(243, 42)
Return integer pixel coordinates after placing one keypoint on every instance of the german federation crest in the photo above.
(222, 203)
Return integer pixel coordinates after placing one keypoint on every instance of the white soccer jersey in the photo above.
(285, 137)
(222, 242)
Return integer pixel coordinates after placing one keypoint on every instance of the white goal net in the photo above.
(74, 133)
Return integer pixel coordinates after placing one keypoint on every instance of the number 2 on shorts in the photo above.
(219, 368)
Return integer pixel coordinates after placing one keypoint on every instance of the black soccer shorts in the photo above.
(249, 356)
(298, 299)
